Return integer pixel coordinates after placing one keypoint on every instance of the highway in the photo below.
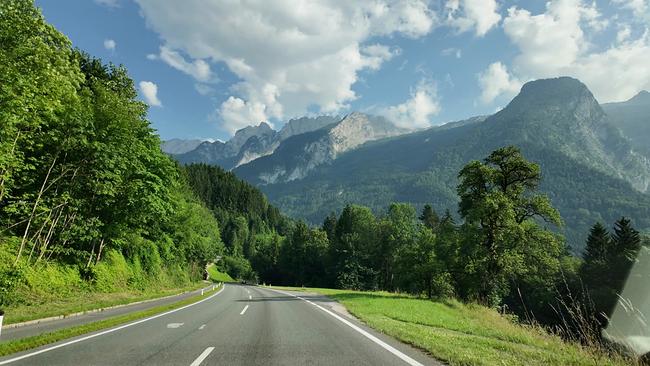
(239, 325)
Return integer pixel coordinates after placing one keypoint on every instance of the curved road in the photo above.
(240, 325)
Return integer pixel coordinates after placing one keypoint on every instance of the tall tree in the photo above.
(498, 198)
(429, 217)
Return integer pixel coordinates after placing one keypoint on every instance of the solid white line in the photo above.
(107, 331)
(378, 341)
(202, 356)
(243, 311)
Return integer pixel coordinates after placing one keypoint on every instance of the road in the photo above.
(240, 325)
(53, 325)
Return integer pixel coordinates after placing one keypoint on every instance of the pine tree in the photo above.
(429, 217)
(598, 244)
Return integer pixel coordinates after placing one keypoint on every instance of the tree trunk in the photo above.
(29, 223)
(99, 252)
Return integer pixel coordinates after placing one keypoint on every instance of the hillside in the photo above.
(556, 122)
(633, 118)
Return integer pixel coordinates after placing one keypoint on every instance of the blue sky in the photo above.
(209, 67)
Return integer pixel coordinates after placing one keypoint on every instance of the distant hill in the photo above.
(179, 146)
(590, 170)
(633, 118)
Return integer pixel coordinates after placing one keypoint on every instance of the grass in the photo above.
(88, 300)
(463, 334)
(23, 344)
(217, 276)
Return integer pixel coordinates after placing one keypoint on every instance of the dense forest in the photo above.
(87, 198)
(503, 253)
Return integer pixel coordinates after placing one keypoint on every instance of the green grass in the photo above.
(463, 334)
(43, 307)
(217, 276)
(23, 344)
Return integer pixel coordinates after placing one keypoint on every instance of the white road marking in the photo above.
(378, 341)
(243, 311)
(106, 331)
(174, 325)
(250, 297)
(202, 327)
(202, 356)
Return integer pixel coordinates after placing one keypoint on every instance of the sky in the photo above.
(207, 68)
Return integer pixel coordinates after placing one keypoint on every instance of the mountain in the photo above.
(179, 146)
(633, 118)
(250, 143)
(589, 170)
(298, 155)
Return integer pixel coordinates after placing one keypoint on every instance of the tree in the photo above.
(498, 200)
(429, 217)
(352, 251)
(598, 244)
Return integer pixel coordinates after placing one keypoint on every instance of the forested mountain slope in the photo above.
(633, 118)
(588, 168)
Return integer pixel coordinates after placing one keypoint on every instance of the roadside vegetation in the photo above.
(23, 344)
(463, 334)
(89, 205)
(217, 276)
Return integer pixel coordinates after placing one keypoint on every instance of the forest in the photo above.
(502, 251)
(87, 199)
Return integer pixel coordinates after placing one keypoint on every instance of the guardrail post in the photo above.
(2, 315)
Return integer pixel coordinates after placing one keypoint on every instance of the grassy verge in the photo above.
(462, 334)
(23, 344)
(85, 301)
(217, 276)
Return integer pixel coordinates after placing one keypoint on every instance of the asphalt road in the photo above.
(240, 325)
(56, 324)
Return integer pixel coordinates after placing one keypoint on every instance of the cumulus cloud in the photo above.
(290, 56)
(109, 44)
(149, 91)
(496, 81)
(477, 15)
(640, 8)
(198, 69)
(557, 42)
(418, 110)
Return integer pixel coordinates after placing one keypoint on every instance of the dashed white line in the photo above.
(202, 356)
(250, 297)
(106, 331)
(378, 341)
(243, 311)
(202, 327)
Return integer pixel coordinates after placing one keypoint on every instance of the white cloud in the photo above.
(290, 55)
(557, 42)
(109, 44)
(149, 91)
(452, 51)
(198, 69)
(477, 15)
(203, 89)
(418, 110)
(240, 113)
(496, 81)
(640, 8)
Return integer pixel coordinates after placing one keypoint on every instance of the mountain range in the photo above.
(593, 161)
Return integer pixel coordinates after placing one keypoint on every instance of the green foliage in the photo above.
(497, 201)
(87, 198)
